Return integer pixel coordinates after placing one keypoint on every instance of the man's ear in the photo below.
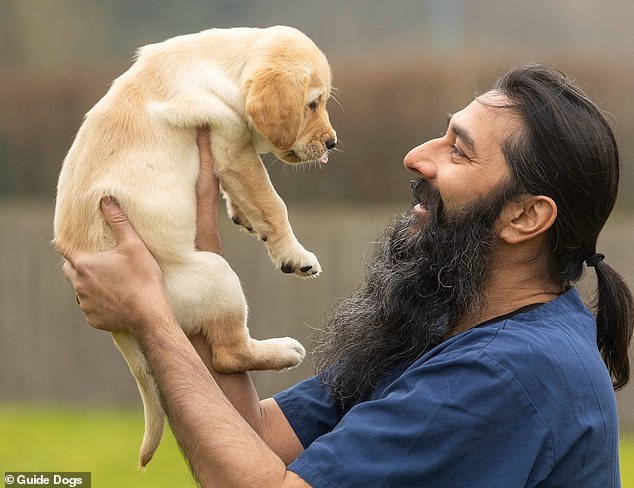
(527, 219)
(275, 103)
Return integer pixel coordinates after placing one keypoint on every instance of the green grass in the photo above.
(103, 442)
(106, 442)
(627, 462)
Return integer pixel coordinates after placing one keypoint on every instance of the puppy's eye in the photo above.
(313, 105)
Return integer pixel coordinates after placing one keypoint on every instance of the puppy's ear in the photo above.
(275, 103)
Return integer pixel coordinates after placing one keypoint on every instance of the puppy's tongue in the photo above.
(323, 159)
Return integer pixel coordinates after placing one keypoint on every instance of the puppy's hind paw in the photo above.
(288, 353)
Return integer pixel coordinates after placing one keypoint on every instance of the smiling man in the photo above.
(465, 359)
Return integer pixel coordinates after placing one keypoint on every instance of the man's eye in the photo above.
(456, 151)
(312, 106)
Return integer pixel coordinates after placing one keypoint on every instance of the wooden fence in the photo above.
(48, 353)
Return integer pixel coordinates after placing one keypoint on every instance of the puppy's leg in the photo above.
(207, 297)
(154, 415)
(237, 215)
(245, 179)
(233, 349)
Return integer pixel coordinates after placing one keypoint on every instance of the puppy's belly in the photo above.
(158, 195)
(205, 293)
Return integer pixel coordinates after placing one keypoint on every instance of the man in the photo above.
(466, 358)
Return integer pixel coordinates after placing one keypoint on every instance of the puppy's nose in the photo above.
(331, 143)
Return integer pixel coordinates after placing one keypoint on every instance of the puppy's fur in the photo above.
(259, 90)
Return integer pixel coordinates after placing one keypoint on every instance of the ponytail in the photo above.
(567, 151)
(615, 320)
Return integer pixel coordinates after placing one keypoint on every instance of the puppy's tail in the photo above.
(153, 412)
(154, 419)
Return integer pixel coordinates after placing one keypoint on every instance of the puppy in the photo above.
(259, 91)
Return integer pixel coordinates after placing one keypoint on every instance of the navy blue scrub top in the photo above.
(521, 401)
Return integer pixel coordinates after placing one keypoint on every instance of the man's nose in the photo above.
(420, 161)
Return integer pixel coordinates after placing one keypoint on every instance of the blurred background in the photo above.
(400, 67)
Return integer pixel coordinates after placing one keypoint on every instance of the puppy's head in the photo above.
(286, 95)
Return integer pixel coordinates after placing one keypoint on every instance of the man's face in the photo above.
(430, 270)
(467, 163)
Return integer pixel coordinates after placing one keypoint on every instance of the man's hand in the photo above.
(207, 198)
(118, 290)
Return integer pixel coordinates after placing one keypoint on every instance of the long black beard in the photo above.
(423, 278)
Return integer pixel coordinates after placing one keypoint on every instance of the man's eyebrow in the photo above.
(461, 133)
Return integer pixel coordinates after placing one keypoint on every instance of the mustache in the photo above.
(426, 195)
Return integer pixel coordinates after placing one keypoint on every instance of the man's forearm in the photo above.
(221, 447)
(237, 387)
(122, 290)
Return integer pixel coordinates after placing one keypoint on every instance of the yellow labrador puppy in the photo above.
(259, 91)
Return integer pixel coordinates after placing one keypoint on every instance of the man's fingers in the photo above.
(71, 275)
(117, 220)
(207, 184)
(68, 255)
(204, 148)
(69, 272)
(206, 178)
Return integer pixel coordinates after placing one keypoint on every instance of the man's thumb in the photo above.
(116, 219)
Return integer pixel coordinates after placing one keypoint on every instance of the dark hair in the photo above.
(568, 152)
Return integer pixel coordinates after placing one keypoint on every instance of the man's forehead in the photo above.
(488, 115)
(488, 105)
(493, 98)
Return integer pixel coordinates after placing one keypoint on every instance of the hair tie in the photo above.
(595, 259)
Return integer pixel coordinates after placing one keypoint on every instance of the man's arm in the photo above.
(265, 417)
(221, 447)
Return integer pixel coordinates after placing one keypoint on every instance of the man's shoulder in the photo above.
(562, 326)
(562, 331)
(552, 346)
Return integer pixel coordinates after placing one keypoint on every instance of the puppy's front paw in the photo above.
(297, 260)
(237, 216)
